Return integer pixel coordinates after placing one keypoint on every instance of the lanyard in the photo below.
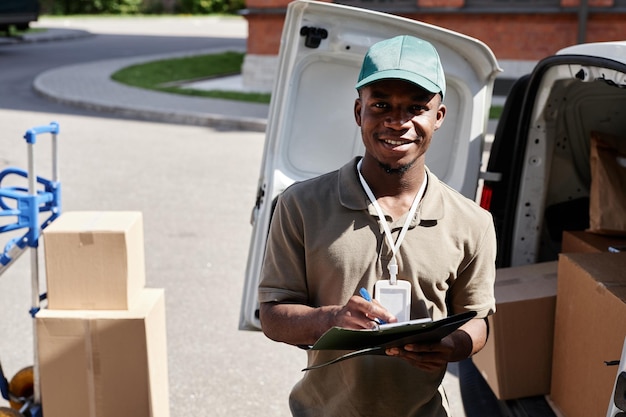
(393, 264)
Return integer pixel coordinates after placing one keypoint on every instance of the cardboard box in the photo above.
(94, 260)
(517, 359)
(579, 241)
(104, 363)
(590, 325)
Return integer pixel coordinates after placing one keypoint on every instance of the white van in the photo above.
(537, 180)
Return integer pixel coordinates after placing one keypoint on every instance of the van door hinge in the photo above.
(313, 35)
(260, 195)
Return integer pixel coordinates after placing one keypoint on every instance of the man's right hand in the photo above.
(298, 324)
(359, 313)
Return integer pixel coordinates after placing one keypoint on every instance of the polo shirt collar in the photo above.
(353, 197)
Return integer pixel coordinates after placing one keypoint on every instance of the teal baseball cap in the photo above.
(404, 58)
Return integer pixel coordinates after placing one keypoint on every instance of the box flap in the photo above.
(582, 241)
(144, 303)
(605, 267)
(94, 221)
(526, 282)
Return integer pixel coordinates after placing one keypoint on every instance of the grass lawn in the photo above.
(166, 74)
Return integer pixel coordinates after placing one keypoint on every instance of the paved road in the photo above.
(195, 186)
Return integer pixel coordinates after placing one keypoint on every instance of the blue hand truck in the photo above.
(33, 209)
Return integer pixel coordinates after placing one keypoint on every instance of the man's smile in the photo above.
(397, 142)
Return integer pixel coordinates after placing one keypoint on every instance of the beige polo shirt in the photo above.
(326, 242)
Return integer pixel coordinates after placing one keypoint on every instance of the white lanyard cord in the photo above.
(393, 264)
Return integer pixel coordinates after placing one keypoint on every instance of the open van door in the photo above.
(311, 128)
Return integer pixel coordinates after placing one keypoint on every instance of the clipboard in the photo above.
(374, 342)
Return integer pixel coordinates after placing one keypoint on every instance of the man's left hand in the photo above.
(429, 357)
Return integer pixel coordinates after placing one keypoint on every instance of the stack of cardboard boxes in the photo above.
(102, 340)
(557, 325)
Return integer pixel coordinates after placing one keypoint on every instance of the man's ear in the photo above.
(357, 111)
(441, 114)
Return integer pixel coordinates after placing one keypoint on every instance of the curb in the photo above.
(48, 35)
(219, 122)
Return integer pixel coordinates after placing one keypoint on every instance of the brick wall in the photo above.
(510, 36)
(264, 31)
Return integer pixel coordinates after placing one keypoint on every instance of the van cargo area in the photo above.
(541, 152)
(539, 189)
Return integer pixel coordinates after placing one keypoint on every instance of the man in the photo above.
(328, 239)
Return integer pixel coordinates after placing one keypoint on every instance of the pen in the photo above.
(366, 295)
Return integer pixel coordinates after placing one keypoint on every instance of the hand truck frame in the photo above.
(27, 204)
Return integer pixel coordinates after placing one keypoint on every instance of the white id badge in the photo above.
(395, 298)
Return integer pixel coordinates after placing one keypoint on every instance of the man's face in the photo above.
(397, 121)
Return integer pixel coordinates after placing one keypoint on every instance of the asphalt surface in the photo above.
(190, 165)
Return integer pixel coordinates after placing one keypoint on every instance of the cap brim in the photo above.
(403, 75)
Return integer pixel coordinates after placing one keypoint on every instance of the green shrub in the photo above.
(210, 6)
(72, 7)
